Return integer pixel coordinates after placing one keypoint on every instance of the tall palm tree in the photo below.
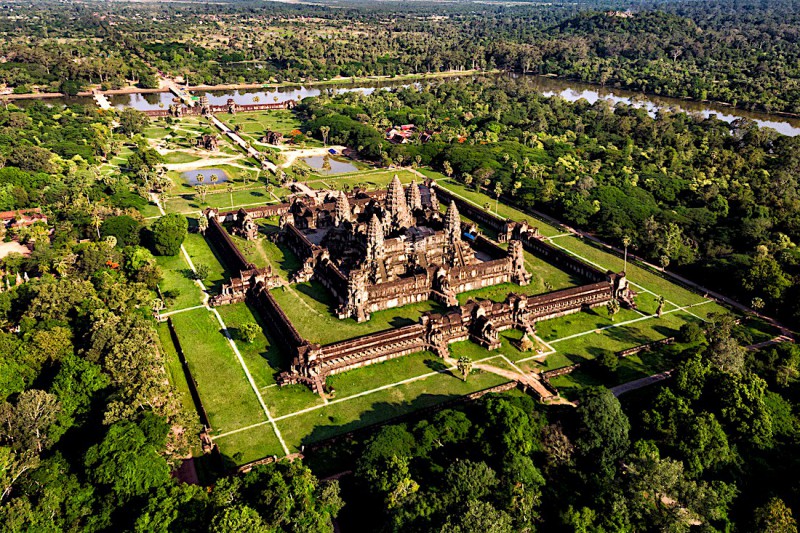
(498, 190)
(626, 241)
(213, 178)
(229, 188)
(464, 365)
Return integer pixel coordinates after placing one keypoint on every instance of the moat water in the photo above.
(566, 89)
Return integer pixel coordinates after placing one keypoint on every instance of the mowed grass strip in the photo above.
(507, 348)
(176, 375)
(630, 368)
(639, 276)
(596, 342)
(310, 308)
(175, 271)
(262, 358)
(263, 252)
(250, 445)
(221, 382)
(480, 199)
(349, 414)
(201, 253)
(581, 322)
(189, 202)
(372, 180)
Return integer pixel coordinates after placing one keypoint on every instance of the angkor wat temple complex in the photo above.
(384, 249)
(392, 251)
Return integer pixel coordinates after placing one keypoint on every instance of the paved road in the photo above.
(639, 383)
(655, 378)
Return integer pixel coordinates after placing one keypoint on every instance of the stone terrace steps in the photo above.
(351, 352)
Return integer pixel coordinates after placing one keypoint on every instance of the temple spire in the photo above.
(452, 223)
(413, 196)
(342, 213)
(374, 238)
(396, 204)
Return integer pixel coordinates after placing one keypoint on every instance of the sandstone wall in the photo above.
(231, 255)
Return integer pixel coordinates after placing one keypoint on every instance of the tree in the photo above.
(324, 131)
(498, 190)
(613, 308)
(447, 168)
(603, 438)
(238, 519)
(478, 517)
(201, 272)
(132, 122)
(626, 241)
(202, 225)
(229, 188)
(168, 233)
(202, 191)
(464, 365)
(126, 461)
(774, 517)
(28, 423)
(608, 362)
(249, 331)
(125, 228)
(661, 301)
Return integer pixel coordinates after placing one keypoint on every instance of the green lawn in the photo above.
(224, 390)
(189, 202)
(264, 252)
(251, 444)
(201, 253)
(480, 199)
(180, 157)
(310, 308)
(176, 278)
(281, 120)
(177, 377)
(596, 342)
(371, 179)
(262, 358)
(347, 414)
(630, 368)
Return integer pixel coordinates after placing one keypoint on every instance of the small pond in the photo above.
(325, 164)
(191, 176)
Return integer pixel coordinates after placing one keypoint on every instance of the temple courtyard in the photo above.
(252, 417)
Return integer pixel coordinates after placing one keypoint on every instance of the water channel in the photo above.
(569, 90)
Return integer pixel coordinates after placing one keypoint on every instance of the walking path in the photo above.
(241, 143)
(232, 343)
(655, 378)
(641, 382)
(101, 100)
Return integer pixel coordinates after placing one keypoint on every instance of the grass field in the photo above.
(310, 308)
(226, 395)
(378, 392)
(176, 279)
(370, 179)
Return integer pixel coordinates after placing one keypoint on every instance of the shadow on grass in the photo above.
(380, 414)
(437, 365)
(316, 292)
(275, 358)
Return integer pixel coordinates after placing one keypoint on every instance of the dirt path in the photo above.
(531, 381)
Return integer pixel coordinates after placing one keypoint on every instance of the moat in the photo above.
(567, 89)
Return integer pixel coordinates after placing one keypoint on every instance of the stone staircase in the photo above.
(358, 352)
